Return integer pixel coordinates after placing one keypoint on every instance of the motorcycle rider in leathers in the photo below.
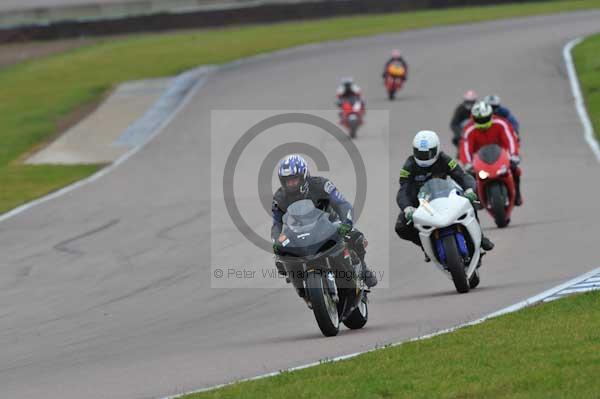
(503, 111)
(486, 128)
(297, 184)
(461, 115)
(428, 162)
(396, 57)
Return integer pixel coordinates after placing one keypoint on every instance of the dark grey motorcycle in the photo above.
(324, 270)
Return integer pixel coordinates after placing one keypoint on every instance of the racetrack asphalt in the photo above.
(105, 291)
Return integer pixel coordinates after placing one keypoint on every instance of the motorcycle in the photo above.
(352, 115)
(495, 182)
(449, 232)
(324, 270)
(394, 79)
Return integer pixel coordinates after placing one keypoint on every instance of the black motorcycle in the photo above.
(324, 269)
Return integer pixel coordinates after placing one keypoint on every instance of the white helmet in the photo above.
(426, 148)
(493, 100)
(482, 115)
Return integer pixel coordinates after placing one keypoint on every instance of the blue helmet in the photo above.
(293, 175)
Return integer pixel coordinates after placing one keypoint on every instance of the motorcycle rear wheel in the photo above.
(323, 306)
(455, 264)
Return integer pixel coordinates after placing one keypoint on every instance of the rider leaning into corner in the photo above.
(297, 184)
(486, 128)
(461, 115)
(396, 57)
(428, 162)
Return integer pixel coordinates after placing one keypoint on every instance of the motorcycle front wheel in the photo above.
(359, 316)
(497, 201)
(455, 264)
(323, 305)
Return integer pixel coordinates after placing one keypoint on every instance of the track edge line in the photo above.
(198, 84)
(588, 129)
(536, 299)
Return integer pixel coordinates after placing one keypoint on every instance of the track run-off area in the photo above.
(106, 291)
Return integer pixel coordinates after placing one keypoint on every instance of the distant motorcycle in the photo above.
(450, 232)
(394, 79)
(324, 270)
(352, 115)
(495, 182)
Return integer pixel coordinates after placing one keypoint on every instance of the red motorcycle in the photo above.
(495, 182)
(352, 115)
(394, 79)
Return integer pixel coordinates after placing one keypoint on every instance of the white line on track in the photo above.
(105, 171)
(588, 129)
(546, 296)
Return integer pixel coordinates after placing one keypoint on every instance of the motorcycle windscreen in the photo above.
(438, 188)
(490, 153)
(307, 228)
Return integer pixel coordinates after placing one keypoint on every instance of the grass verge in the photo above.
(36, 95)
(546, 351)
(586, 56)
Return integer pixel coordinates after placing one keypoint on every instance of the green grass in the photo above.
(35, 95)
(587, 63)
(546, 351)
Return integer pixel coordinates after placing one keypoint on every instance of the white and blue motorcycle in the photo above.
(450, 232)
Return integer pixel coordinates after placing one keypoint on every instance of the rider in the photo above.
(461, 116)
(427, 162)
(396, 58)
(297, 184)
(484, 129)
(500, 110)
(349, 91)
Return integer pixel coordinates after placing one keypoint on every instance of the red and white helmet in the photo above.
(470, 96)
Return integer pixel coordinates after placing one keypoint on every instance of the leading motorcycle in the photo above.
(449, 232)
(323, 268)
(394, 79)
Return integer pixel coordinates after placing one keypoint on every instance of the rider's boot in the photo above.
(518, 198)
(358, 242)
(368, 276)
(486, 243)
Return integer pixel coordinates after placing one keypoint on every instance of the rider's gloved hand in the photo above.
(471, 195)
(408, 213)
(276, 248)
(515, 160)
(344, 229)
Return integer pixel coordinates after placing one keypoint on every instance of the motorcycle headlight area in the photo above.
(483, 174)
(502, 171)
